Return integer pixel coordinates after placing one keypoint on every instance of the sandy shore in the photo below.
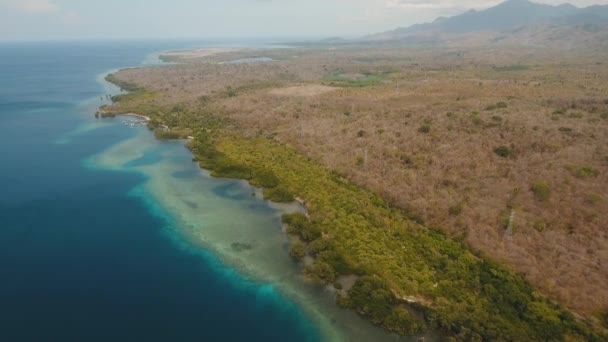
(147, 118)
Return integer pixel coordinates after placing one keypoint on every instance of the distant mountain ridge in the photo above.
(509, 15)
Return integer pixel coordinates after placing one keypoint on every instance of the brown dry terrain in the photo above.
(506, 149)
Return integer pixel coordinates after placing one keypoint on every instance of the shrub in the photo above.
(545, 320)
(318, 246)
(295, 219)
(540, 225)
(279, 195)
(360, 161)
(541, 191)
(166, 135)
(501, 105)
(299, 225)
(455, 210)
(402, 322)
(361, 133)
(604, 315)
(231, 170)
(297, 250)
(476, 119)
(371, 297)
(321, 271)
(503, 151)
(593, 199)
(265, 179)
(407, 160)
(586, 172)
(231, 92)
(154, 124)
(424, 129)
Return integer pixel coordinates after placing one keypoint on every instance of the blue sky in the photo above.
(114, 19)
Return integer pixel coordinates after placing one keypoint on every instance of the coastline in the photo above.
(111, 266)
(231, 145)
(240, 245)
(100, 113)
(316, 300)
(146, 118)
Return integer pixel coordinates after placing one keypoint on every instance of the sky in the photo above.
(160, 19)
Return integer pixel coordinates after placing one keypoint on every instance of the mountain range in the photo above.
(513, 21)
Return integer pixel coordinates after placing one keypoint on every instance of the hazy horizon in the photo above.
(27, 20)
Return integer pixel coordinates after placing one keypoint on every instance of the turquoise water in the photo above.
(109, 234)
(85, 253)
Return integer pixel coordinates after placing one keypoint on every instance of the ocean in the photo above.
(84, 255)
(107, 234)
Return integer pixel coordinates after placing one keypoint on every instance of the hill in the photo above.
(513, 22)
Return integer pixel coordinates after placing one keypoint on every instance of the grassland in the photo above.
(502, 153)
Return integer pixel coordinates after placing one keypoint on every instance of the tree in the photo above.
(297, 250)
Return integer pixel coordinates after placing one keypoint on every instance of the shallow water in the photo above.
(108, 234)
(83, 257)
(229, 219)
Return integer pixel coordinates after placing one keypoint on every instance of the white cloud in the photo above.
(31, 6)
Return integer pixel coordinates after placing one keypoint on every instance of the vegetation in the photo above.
(503, 151)
(297, 250)
(456, 210)
(586, 172)
(498, 105)
(372, 297)
(410, 277)
(278, 194)
(352, 231)
(123, 85)
(541, 191)
(425, 129)
(166, 135)
(364, 79)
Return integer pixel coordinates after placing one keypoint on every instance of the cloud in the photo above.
(31, 6)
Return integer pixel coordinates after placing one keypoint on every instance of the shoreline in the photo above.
(146, 118)
(266, 264)
(244, 158)
(102, 114)
(317, 303)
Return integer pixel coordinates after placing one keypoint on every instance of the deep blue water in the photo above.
(80, 259)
